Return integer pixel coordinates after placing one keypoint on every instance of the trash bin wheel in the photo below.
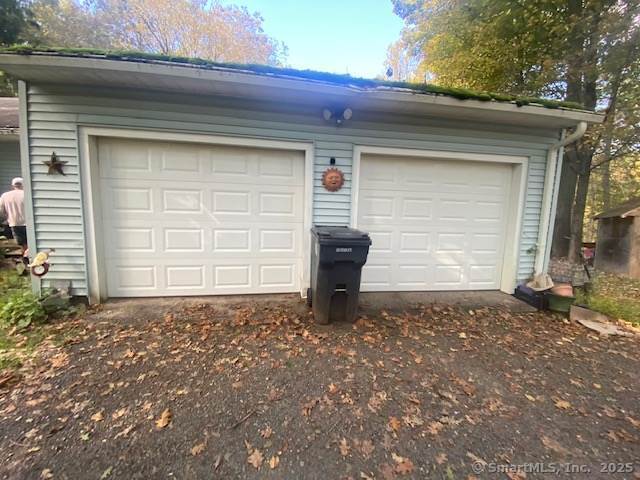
(309, 301)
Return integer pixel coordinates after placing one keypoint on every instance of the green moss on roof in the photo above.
(333, 78)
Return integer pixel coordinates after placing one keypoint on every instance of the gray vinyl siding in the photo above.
(56, 112)
(9, 163)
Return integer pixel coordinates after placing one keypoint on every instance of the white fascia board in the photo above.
(253, 80)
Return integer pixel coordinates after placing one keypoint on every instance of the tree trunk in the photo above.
(606, 186)
(579, 204)
(566, 194)
(561, 242)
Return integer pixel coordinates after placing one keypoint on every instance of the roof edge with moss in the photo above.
(330, 78)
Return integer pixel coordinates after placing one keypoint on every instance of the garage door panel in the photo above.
(127, 239)
(137, 199)
(435, 224)
(144, 277)
(152, 160)
(414, 208)
(129, 199)
(376, 276)
(181, 277)
(482, 275)
(183, 240)
(375, 207)
(413, 276)
(381, 241)
(185, 219)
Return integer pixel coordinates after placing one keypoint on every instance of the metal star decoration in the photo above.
(55, 165)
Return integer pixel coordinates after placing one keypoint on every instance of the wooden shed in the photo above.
(618, 245)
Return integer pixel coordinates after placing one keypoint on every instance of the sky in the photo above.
(338, 36)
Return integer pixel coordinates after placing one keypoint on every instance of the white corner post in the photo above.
(25, 164)
(550, 196)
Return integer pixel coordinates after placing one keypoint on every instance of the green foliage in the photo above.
(11, 282)
(19, 307)
(584, 51)
(515, 46)
(15, 20)
(615, 296)
(214, 30)
(339, 79)
(22, 309)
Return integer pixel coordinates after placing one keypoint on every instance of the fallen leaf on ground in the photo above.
(46, 473)
(562, 404)
(255, 459)
(476, 458)
(441, 458)
(274, 462)
(119, 413)
(164, 419)
(404, 466)
(307, 408)
(124, 432)
(97, 417)
(554, 445)
(59, 360)
(394, 424)
(413, 421)
(620, 435)
(197, 449)
(106, 473)
(633, 421)
(387, 471)
(266, 432)
(344, 447)
(434, 428)
(367, 448)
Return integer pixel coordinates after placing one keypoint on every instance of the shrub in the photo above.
(614, 295)
(22, 309)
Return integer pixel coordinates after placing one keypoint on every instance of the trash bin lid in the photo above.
(333, 234)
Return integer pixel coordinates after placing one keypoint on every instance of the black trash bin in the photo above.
(337, 257)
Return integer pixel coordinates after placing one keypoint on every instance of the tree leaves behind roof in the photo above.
(15, 19)
(584, 51)
(190, 28)
(334, 78)
(514, 46)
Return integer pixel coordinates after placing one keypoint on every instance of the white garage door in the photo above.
(434, 224)
(191, 219)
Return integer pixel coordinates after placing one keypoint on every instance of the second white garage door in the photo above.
(191, 219)
(435, 224)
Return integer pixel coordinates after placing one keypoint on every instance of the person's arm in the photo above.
(3, 210)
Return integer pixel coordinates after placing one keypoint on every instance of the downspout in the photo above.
(550, 195)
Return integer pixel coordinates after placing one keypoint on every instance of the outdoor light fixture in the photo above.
(338, 117)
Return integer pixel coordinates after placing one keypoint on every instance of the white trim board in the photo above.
(517, 194)
(96, 283)
(41, 66)
(26, 176)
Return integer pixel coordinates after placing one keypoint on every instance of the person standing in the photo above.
(12, 207)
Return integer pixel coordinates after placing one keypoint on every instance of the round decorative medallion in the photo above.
(333, 179)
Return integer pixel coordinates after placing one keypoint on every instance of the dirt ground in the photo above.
(254, 389)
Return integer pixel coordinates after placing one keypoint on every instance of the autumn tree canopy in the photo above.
(585, 51)
(193, 28)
